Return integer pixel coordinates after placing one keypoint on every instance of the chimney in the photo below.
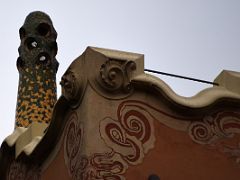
(37, 68)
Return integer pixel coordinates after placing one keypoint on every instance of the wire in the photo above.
(182, 77)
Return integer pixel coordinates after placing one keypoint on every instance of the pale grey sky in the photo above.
(197, 38)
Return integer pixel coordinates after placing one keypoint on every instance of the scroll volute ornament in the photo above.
(108, 72)
(73, 84)
(115, 76)
(111, 71)
(71, 89)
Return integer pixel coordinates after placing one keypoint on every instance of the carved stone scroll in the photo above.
(115, 75)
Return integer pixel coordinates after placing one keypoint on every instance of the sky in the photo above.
(195, 38)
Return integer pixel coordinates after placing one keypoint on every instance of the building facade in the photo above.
(113, 121)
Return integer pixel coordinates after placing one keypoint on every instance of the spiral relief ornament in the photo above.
(213, 128)
(115, 76)
(104, 165)
(71, 88)
(132, 134)
(73, 141)
(201, 132)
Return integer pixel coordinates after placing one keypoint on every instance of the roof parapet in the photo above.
(229, 80)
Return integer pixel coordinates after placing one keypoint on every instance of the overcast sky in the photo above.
(196, 38)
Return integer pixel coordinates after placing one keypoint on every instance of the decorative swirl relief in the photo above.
(127, 140)
(131, 135)
(107, 165)
(72, 88)
(73, 141)
(115, 75)
(68, 83)
(215, 130)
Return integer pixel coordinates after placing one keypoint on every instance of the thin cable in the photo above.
(182, 77)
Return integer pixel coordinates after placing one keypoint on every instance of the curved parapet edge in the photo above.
(204, 98)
